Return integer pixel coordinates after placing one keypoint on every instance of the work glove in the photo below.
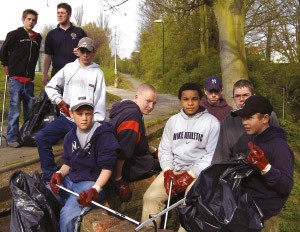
(85, 198)
(123, 190)
(183, 181)
(256, 157)
(168, 177)
(5, 68)
(63, 107)
(56, 179)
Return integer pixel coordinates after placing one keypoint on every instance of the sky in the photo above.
(125, 21)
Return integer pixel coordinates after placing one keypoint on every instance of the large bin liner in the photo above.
(43, 112)
(217, 202)
(33, 206)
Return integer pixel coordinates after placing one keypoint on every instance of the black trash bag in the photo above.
(43, 112)
(216, 201)
(34, 209)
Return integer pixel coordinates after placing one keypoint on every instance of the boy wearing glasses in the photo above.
(270, 156)
(81, 77)
(232, 131)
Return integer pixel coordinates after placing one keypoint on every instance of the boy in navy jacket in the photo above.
(271, 156)
(90, 155)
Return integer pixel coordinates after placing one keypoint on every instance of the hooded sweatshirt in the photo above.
(127, 120)
(271, 190)
(220, 110)
(188, 142)
(99, 153)
(233, 138)
(74, 80)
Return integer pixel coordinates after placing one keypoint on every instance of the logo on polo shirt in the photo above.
(73, 35)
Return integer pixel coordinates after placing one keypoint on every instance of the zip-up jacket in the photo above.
(20, 54)
(188, 142)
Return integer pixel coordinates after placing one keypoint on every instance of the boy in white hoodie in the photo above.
(81, 77)
(186, 148)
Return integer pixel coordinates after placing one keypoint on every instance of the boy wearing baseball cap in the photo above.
(271, 157)
(90, 155)
(213, 102)
(81, 77)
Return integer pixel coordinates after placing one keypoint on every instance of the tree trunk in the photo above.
(230, 15)
(204, 33)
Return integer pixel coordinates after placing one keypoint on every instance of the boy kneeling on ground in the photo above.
(90, 156)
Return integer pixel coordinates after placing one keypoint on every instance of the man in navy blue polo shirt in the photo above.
(61, 42)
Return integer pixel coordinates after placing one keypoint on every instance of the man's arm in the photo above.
(54, 88)
(47, 63)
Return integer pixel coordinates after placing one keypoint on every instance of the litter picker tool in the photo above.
(168, 204)
(122, 216)
(3, 108)
(143, 224)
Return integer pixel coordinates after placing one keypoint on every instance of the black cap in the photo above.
(254, 104)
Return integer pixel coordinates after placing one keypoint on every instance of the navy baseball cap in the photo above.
(254, 104)
(213, 83)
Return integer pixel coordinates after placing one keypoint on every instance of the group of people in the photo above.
(100, 155)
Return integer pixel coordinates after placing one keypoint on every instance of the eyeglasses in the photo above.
(239, 96)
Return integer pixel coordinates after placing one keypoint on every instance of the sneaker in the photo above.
(13, 144)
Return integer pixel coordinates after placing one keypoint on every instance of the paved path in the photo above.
(16, 157)
(166, 103)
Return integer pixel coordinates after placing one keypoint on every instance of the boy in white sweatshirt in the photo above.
(186, 148)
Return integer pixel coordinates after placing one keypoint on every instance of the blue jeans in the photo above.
(71, 208)
(46, 137)
(18, 92)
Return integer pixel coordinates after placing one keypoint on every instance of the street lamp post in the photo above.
(139, 63)
(163, 43)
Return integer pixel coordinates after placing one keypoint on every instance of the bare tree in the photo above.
(78, 15)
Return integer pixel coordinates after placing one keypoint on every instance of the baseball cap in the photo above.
(81, 100)
(254, 104)
(213, 83)
(87, 43)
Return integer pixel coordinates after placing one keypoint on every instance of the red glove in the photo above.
(64, 107)
(5, 68)
(183, 181)
(256, 157)
(56, 179)
(86, 198)
(122, 188)
(170, 176)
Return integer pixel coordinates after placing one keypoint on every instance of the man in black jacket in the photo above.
(19, 55)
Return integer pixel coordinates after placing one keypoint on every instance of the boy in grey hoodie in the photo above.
(186, 148)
